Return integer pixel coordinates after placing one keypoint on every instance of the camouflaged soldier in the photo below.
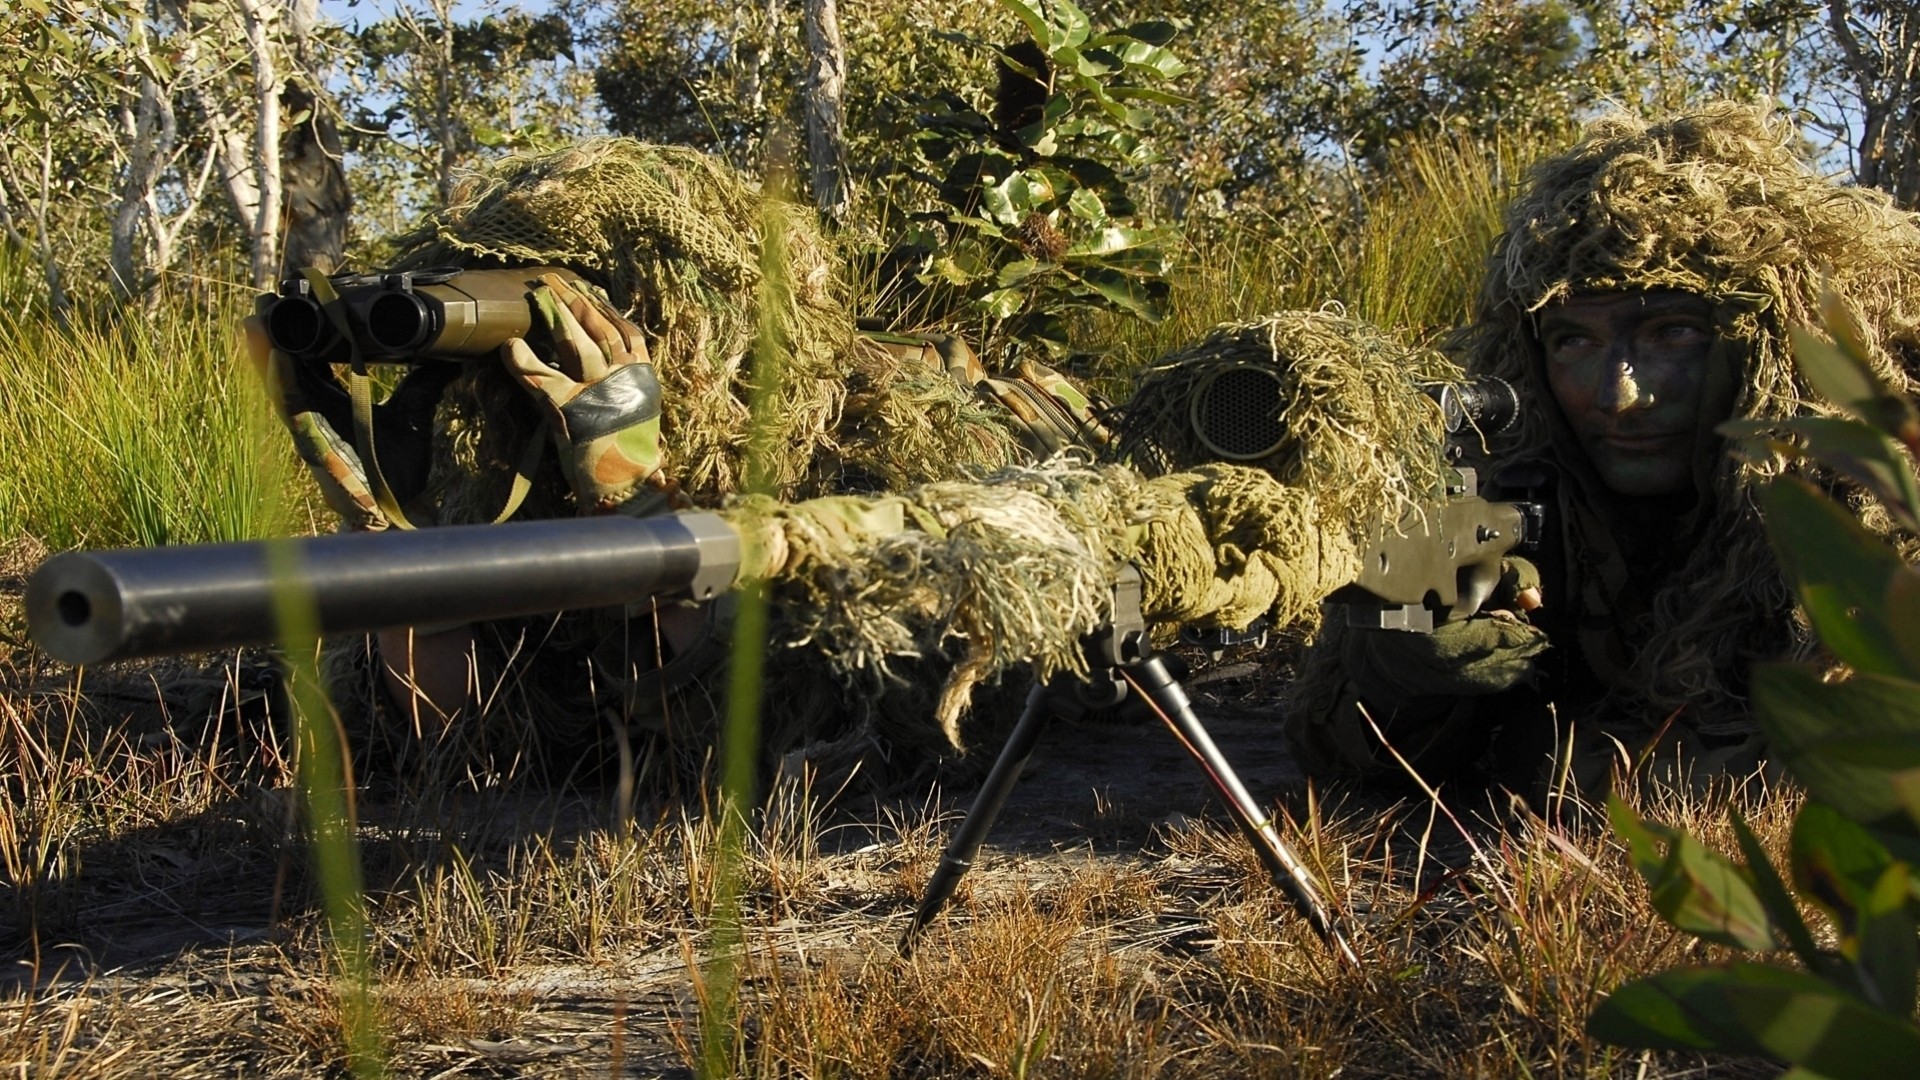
(1642, 293)
(629, 396)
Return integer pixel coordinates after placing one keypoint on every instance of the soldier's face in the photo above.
(1630, 373)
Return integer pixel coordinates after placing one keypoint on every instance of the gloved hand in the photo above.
(1487, 653)
(318, 412)
(601, 399)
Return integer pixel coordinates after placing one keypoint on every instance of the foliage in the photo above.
(1029, 195)
(426, 94)
(1854, 744)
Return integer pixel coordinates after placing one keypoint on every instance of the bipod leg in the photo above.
(1152, 680)
(966, 841)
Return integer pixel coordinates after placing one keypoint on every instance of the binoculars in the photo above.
(404, 317)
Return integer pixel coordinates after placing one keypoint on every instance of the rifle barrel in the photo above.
(89, 607)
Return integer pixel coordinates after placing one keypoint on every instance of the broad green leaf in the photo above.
(1903, 613)
(1837, 373)
(1143, 93)
(1772, 891)
(1750, 1008)
(1888, 951)
(1855, 449)
(1841, 572)
(1906, 792)
(1153, 32)
(997, 203)
(1016, 272)
(1127, 294)
(1836, 864)
(1002, 303)
(1696, 890)
(1843, 740)
(1086, 206)
(1074, 26)
(1112, 239)
(1645, 840)
(1037, 26)
(1152, 58)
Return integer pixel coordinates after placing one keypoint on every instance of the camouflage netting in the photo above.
(1350, 424)
(1018, 569)
(697, 255)
(1719, 202)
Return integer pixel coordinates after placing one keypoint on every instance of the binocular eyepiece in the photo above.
(405, 316)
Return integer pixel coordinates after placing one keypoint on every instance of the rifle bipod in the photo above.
(1128, 669)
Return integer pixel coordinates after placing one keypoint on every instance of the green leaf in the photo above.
(1859, 451)
(1888, 950)
(1772, 891)
(1086, 205)
(1845, 740)
(1148, 94)
(1903, 614)
(1037, 26)
(1696, 890)
(1135, 297)
(1153, 32)
(1842, 573)
(1906, 791)
(1112, 239)
(1152, 58)
(1837, 372)
(1836, 861)
(1003, 303)
(1753, 1008)
(1018, 271)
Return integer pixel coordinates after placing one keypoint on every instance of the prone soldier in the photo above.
(1642, 293)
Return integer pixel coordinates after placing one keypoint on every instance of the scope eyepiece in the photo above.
(1485, 404)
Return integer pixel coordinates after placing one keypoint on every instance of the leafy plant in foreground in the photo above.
(1034, 206)
(1855, 746)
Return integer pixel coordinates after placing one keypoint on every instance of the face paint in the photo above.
(1629, 371)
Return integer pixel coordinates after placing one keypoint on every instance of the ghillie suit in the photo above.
(1319, 401)
(731, 287)
(1719, 203)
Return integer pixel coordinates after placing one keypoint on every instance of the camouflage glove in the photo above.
(318, 412)
(600, 397)
(1486, 654)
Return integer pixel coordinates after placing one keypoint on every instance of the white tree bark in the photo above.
(257, 17)
(827, 171)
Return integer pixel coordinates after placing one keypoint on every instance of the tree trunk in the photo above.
(1880, 50)
(826, 135)
(264, 225)
(318, 202)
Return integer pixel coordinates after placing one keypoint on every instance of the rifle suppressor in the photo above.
(90, 607)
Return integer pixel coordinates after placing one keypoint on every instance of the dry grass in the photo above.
(162, 921)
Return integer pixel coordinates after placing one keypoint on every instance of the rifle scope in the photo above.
(405, 316)
(1236, 411)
